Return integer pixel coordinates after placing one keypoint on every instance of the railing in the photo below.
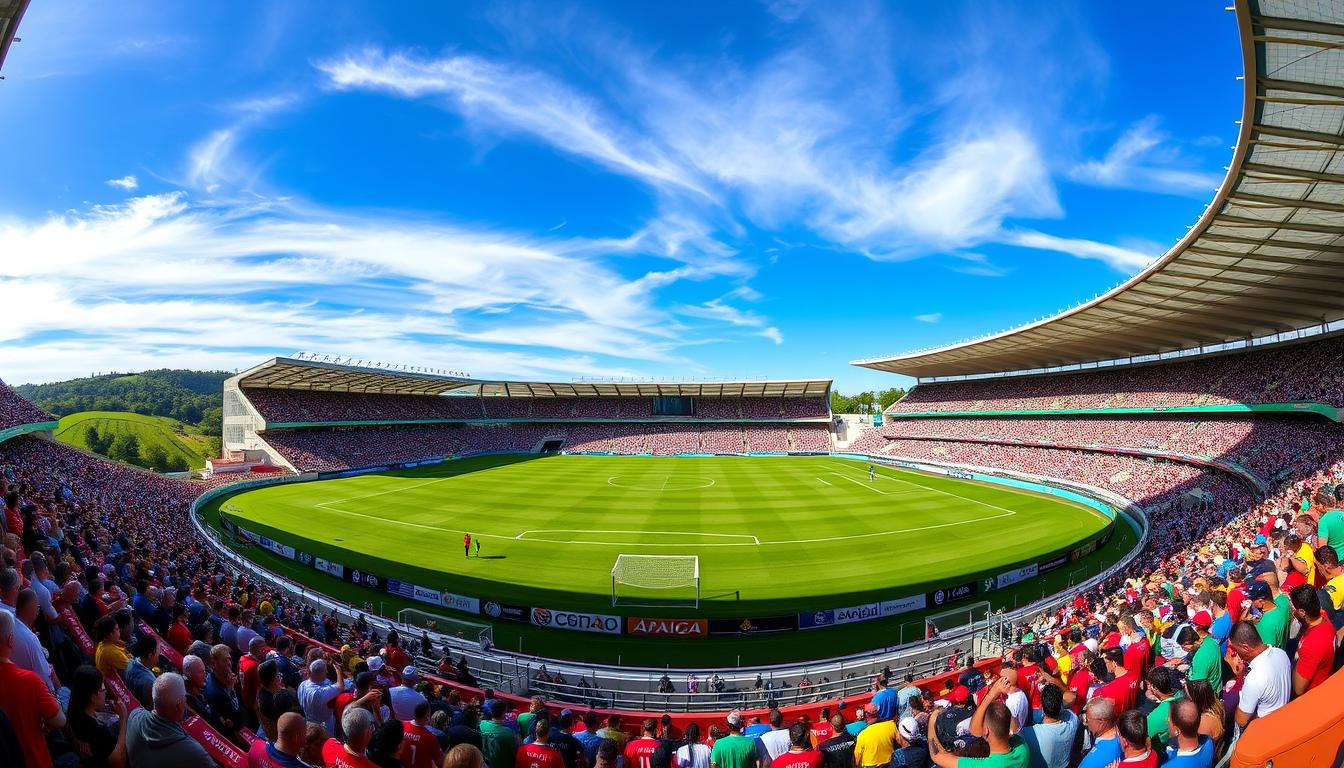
(635, 688)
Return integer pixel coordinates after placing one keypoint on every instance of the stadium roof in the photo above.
(11, 13)
(292, 373)
(1266, 257)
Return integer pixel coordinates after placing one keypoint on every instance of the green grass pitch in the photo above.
(774, 535)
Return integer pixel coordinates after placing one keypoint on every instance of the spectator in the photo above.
(1053, 742)
(420, 748)
(694, 753)
(837, 751)
(249, 665)
(735, 750)
(385, 747)
(589, 738)
(1099, 716)
(1265, 672)
(912, 749)
(88, 696)
(1133, 730)
(1203, 651)
(540, 753)
(994, 723)
(221, 692)
(1163, 688)
(1275, 615)
(1189, 748)
(1315, 645)
(1212, 714)
(464, 756)
(358, 725)
(499, 742)
(140, 674)
(110, 655)
(1123, 688)
(26, 701)
(466, 732)
(404, 698)
(195, 675)
(317, 696)
(777, 741)
(638, 752)
(285, 749)
(800, 753)
(156, 739)
(535, 707)
(608, 754)
(876, 742)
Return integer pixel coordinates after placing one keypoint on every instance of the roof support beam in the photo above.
(1233, 323)
(1275, 243)
(1296, 299)
(1293, 173)
(1297, 86)
(1276, 284)
(1286, 202)
(1295, 226)
(1298, 25)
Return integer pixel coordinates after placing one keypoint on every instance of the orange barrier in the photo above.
(1307, 733)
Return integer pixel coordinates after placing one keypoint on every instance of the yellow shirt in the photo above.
(875, 744)
(266, 609)
(111, 658)
(1306, 554)
(1335, 588)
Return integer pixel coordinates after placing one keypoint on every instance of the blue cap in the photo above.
(1258, 590)
(1261, 540)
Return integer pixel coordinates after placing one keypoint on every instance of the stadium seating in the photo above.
(16, 411)
(1299, 373)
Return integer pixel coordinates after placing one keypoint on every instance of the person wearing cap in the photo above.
(404, 698)
(1202, 650)
(876, 742)
(1274, 618)
(994, 723)
(734, 750)
(912, 750)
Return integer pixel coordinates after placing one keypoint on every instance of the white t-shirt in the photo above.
(27, 653)
(404, 701)
(775, 742)
(316, 701)
(693, 756)
(1020, 706)
(1268, 684)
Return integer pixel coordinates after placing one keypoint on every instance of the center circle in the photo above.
(663, 483)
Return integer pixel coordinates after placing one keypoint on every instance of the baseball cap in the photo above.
(735, 719)
(1202, 619)
(870, 709)
(375, 663)
(1258, 590)
(1260, 539)
(410, 671)
(959, 695)
(909, 727)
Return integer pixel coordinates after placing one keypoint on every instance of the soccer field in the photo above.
(774, 535)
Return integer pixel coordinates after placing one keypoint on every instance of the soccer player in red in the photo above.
(639, 752)
(421, 748)
(540, 753)
(466, 545)
(800, 754)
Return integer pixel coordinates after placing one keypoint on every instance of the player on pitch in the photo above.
(466, 545)
(870, 473)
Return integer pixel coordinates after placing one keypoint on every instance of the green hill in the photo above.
(182, 445)
(192, 397)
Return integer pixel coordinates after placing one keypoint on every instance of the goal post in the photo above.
(474, 631)
(656, 581)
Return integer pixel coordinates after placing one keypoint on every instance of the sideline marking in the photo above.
(823, 482)
(945, 493)
(859, 483)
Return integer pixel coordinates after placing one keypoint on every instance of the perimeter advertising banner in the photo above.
(460, 602)
(666, 627)
(366, 579)
(1017, 575)
(326, 566)
(578, 622)
(498, 610)
(753, 626)
(941, 597)
(414, 592)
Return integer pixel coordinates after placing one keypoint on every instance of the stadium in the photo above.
(1064, 502)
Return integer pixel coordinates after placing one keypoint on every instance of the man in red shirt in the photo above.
(421, 748)
(540, 753)
(1123, 689)
(800, 754)
(1316, 646)
(466, 545)
(822, 730)
(1138, 653)
(247, 670)
(25, 700)
(639, 752)
(1236, 596)
(358, 726)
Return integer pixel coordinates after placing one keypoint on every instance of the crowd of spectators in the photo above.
(1312, 372)
(15, 410)
(298, 406)
(340, 449)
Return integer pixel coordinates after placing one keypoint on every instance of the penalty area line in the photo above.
(823, 482)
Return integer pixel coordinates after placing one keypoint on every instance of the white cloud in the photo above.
(128, 183)
(772, 333)
(159, 277)
(1143, 158)
(931, 317)
(1124, 259)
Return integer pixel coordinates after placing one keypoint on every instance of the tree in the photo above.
(156, 458)
(888, 396)
(126, 448)
(177, 464)
(212, 420)
(96, 441)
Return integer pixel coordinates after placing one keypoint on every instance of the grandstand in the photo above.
(306, 415)
(1164, 395)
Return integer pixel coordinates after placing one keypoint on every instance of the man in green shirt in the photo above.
(1273, 622)
(733, 750)
(499, 743)
(1203, 650)
(1330, 530)
(1163, 688)
(994, 722)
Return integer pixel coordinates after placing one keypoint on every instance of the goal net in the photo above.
(656, 580)
(448, 625)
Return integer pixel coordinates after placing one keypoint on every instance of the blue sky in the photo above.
(688, 190)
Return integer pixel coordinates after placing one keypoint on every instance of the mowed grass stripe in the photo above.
(410, 523)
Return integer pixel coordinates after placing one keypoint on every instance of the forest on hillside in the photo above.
(192, 397)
